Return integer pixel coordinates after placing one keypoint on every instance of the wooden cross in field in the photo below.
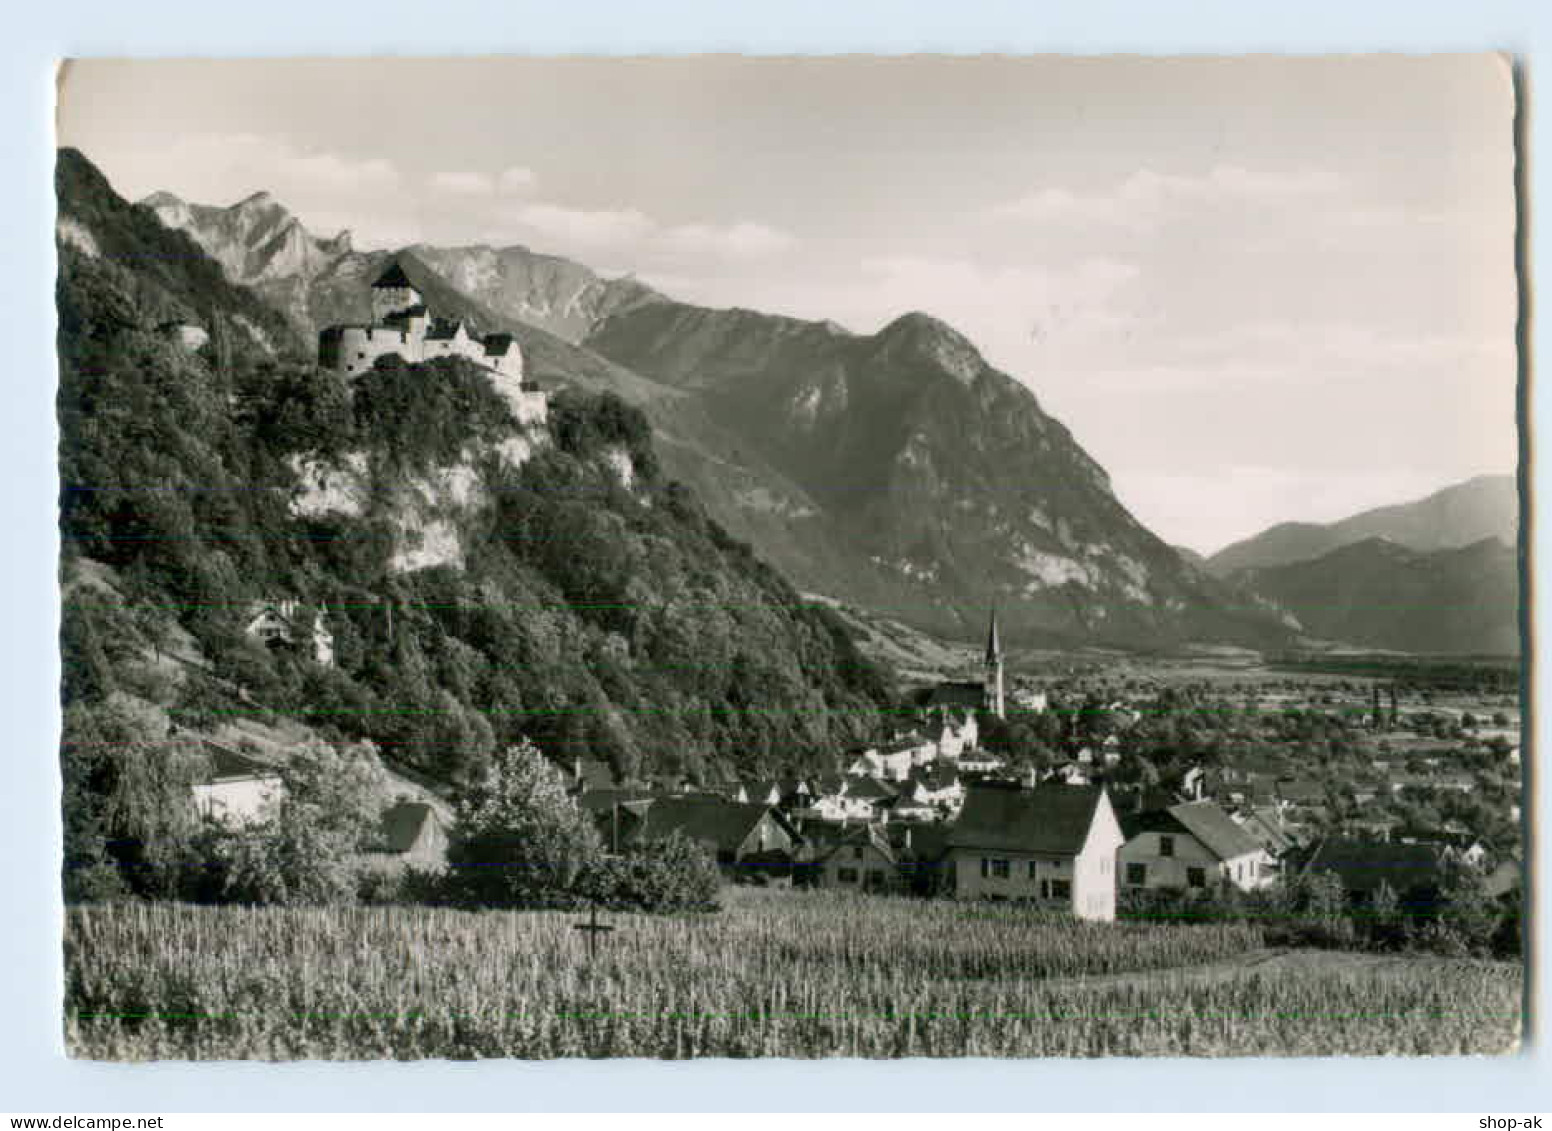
(593, 929)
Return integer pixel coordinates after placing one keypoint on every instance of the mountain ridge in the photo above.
(896, 470)
(1378, 593)
(1453, 516)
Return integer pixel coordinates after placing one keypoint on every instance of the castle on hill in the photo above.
(401, 325)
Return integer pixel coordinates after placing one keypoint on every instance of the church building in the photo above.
(988, 695)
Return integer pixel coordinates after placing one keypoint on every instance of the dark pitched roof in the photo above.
(1214, 828)
(442, 329)
(1049, 818)
(393, 279)
(993, 644)
(1300, 789)
(403, 824)
(936, 777)
(1505, 879)
(957, 695)
(868, 789)
(401, 318)
(724, 823)
(497, 345)
(596, 800)
(1363, 865)
(1267, 828)
(227, 764)
(862, 835)
(828, 785)
(926, 841)
(818, 832)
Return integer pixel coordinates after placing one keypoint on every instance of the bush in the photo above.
(519, 840)
(670, 875)
(379, 887)
(308, 850)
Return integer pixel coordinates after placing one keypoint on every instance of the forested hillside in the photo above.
(483, 580)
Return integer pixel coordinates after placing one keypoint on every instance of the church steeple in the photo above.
(993, 683)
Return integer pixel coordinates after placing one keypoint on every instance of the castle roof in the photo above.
(393, 279)
(993, 644)
(402, 317)
(497, 345)
(442, 329)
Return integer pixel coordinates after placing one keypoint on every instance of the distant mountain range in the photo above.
(1485, 507)
(897, 471)
(1380, 594)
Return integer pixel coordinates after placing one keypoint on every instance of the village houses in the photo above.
(283, 624)
(1194, 846)
(1055, 844)
(238, 789)
(862, 860)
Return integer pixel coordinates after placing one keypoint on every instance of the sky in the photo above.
(1257, 289)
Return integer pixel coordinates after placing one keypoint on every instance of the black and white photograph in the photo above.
(831, 556)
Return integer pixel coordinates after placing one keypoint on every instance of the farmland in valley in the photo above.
(775, 974)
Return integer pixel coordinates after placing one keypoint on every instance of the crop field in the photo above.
(775, 974)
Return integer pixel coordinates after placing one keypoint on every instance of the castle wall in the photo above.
(355, 349)
(359, 347)
(459, 344)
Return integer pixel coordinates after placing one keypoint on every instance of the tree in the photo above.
(128, 801)
(520, 841)
(307, 851)
(673, 874)
(1468, 918)
(87, 667)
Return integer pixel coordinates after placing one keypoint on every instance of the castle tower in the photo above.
(392, 293)
(993, 683)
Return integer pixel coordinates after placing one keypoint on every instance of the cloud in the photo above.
(1147, 197)
(631, 235)
(516, 179)
(1262, 354)
(740, 240)
(463, 184)
(1003, 308)
(244, 163)
(580, 229)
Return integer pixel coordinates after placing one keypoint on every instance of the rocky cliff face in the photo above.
(258, 244)
(948, 485)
